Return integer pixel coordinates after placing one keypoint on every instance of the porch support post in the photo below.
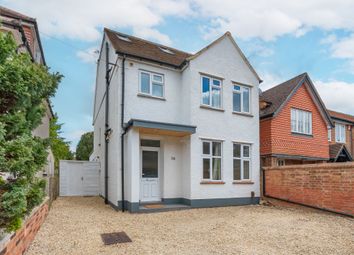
(132, 187)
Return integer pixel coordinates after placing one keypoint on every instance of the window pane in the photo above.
(205, 91)
(246, 99)
(206, 148)
(216, 149)
(237, 169)
(246, 169)
(157, 90)
(216, 82)
(237, 150)
(206, 168)
(150, 143)
(237, 102)
(246, 151)
(216, 94)
(293, 120)
(150, 164)
(301, 122)
(157, 78)
(145, 83)
(236, 87)
(216, 169)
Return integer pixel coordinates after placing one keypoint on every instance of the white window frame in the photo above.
(242, 158)
(240, 92)
(329, 134)
(211, 158)
(281, 162)
(211, 86)
(151, 75)
(340, 133)
(300, 116)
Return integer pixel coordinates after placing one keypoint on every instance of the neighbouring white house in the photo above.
(177, 128)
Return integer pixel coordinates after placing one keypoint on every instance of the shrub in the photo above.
(24, 91)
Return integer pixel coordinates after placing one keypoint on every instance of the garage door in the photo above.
(79, 178)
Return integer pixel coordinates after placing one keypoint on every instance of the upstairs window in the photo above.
(329, 134)
(301, 122)
(151, 84)
(340, 133)
(211, 92)
(212, 155)
(241, 99)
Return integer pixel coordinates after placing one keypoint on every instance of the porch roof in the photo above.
(163, 128)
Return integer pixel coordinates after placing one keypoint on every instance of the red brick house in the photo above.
(341, 137)
(294, 124)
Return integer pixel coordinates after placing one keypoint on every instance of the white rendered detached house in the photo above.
(178, 129)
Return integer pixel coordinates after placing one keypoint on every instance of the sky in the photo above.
(280, 38)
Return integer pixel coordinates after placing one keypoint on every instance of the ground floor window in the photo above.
(212, 156)
(242, 161)
(281, 162)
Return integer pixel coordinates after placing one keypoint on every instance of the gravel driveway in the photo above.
(74, 226)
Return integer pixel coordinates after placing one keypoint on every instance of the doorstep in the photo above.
(160, 207)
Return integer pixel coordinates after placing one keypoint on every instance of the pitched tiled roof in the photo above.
(334, 150)
(342, 116)
(277, 95)
(10, 13)
(146, 50)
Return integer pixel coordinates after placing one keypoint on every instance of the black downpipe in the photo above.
(106, 127)
(124, 130)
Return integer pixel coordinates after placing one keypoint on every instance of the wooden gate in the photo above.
(79, 178)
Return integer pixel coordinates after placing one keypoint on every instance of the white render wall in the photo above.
(170, 171)
(144, 108)
(222, 60)
(114, 165)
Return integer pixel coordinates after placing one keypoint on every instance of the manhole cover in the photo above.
(116, 237)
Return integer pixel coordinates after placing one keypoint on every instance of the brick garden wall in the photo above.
(18, 242)
(327, 186)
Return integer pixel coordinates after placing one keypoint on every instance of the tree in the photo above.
(85, 146)
(24, 88)
(60, 147)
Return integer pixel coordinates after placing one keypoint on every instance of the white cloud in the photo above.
(84, 19)
(265, 19)
(145, 32)
(342, 48)
(269, 19)
(89, 55)
(270, 80)
(332, 38)
(337, 95)
(74, 137)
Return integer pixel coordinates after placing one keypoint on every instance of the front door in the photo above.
(150, 186)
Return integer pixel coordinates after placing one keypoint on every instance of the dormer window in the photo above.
(340, 133)
(168, 51)
(123, 38)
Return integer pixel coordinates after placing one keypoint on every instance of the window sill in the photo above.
(243, 114)
(242, 182)
(212, 182)
(300, 134)
(150, 96)
(211, 108)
